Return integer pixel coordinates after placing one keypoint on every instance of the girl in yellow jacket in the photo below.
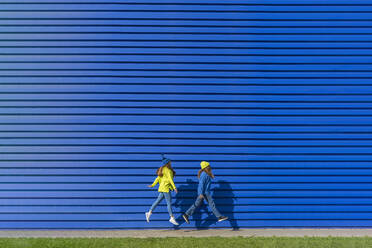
(165, 179)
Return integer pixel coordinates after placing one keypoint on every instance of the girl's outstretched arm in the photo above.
(155, 182)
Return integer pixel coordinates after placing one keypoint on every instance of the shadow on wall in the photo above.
(186, 196)
(224, 199)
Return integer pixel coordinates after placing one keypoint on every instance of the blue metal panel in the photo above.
(277, 95)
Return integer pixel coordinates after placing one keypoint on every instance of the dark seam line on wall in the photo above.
(185, 25)
(183, 11)
(186, 63)
(122, 198)
(172, 3)
(189, 70)
(172, 101)
(151, 197)
(179, 160)
(160, 114)
(135, 213)
(171, 107)
(173, 145)
(186, 124)
(120, 212)
(151, 192)
(89, 205)
(178, 138)
(187, 54)
(338, 166)
(82, 190)
(192, 132)
(218, 161)
(191, 40)
(61, 221)
(162, 228)
(165, 76)
(192, 19)
(214, 132)
(189, 168)
(192, 47)
(191, 33)
(186, 153)
(128, 213)
(144, 183)
(122, 221)
(184, 93)
(187, 84)
(159, 220)
(233, 161)
(184, 175)
(144, 205)
(192, 3)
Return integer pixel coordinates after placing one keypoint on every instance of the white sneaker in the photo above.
(173, 221)
(148, 214)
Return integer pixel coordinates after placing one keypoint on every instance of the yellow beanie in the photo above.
(204, 164)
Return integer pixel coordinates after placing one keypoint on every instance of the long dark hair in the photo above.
(207, 170)
(159, 171)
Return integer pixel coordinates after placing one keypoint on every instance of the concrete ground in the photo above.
(192, 233)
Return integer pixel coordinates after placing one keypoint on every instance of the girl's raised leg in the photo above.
(154, 205)
(211, 204)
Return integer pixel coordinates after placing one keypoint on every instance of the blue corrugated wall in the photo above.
(276, 94)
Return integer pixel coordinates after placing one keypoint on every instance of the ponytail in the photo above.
(159, 171)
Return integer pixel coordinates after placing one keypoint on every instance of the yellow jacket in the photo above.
(165, 182)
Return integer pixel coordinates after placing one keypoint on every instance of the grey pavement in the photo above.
(192, 233)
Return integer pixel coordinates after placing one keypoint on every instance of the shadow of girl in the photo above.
(224, 198)
(186, 196)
